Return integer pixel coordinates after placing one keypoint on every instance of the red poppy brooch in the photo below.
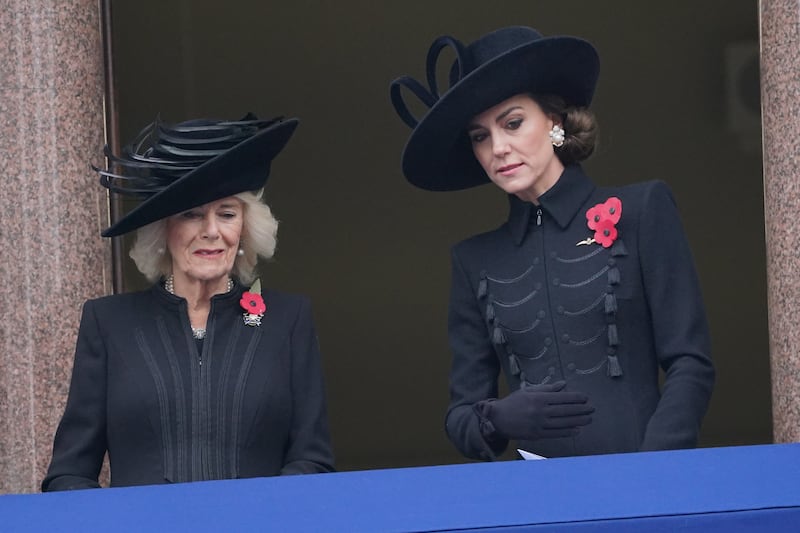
(602, 219)
(253, 304)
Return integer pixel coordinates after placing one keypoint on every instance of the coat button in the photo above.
(560, 309)
(611, 350)
(553, 254)
(551, 371)
(548, 341)
(571, 367)
(565, 338)
(538, 285)
(612, 261)
(535, 260)
(541, 314)
(556, 282)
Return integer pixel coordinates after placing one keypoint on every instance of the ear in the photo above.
(554, 119)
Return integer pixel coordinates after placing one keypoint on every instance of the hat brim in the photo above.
(245, 167)
(438, 155)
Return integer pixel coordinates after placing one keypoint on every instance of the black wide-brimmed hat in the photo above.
(438, 155)
(182, 166)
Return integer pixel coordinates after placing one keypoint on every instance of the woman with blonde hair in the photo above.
(205, 375)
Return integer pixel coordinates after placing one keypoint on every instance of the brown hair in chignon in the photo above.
(580, 126)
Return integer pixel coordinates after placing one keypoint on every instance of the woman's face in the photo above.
(203, 241)
(511, 141)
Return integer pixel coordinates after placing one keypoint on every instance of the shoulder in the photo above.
(289, 312)
(638, 193)
(643, 199)
(287, 302)
(118, 302)
(115, 313)
(286, 298)
(483, 242)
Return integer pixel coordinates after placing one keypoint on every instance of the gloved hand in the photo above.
(539, 412)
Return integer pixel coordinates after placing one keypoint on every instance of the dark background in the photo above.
(677, 101)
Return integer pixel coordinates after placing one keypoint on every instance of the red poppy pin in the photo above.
(603, 219)
(253, 304)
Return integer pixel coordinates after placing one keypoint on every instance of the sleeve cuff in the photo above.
(495, 443)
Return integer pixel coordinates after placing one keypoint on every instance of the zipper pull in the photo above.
(539, 216)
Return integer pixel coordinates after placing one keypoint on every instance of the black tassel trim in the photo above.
(482, 287)
(513, 364)
(490, 312)
(614, 369)
(611, 303)
(498, 337)
(613, 276)
(618, 249)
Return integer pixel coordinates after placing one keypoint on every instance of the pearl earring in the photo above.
(240, 253)
(557, 135)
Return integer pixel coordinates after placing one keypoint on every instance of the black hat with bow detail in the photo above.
(438, 155)
(185, 165)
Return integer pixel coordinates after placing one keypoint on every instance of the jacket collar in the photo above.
(224, 300)
(562, 202)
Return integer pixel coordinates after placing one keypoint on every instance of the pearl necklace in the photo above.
(169, 286)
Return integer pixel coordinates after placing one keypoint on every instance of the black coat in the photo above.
(250, 404)
(527, 300)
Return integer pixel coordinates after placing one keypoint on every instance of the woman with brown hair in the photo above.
(585, 293)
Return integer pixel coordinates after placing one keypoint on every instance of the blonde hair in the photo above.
(258, 239)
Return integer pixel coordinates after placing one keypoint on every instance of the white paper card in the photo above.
(528, 456)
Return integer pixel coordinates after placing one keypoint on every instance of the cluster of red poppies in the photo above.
(603, 219)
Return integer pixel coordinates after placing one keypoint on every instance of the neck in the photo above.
(197, 293)
(548, 178)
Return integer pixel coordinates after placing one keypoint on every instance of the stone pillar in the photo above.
(780, 91)
(51, 212)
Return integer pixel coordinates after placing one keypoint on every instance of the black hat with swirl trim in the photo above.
(185, 165)
(509, 61)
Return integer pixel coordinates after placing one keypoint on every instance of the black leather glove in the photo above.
(539, 412)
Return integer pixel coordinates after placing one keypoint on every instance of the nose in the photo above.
(499, 145)
(210, 228)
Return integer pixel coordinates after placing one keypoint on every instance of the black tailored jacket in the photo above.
(247, 401)
(527, 300)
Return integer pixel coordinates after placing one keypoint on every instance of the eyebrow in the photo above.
(498, 118)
